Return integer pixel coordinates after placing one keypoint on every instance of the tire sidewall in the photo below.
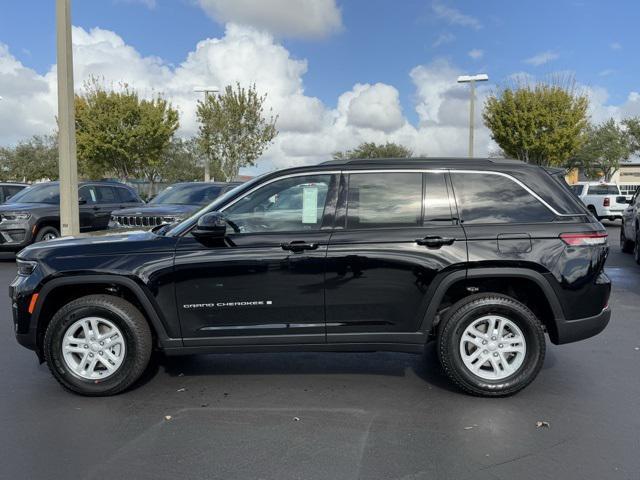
(531, 330)
(44, 230)
(53, 349)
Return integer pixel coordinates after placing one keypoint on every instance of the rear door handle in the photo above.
(299, 246)
(435, 242)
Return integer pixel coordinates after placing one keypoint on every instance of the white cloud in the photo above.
(615, 46)
(455, 17)
(606, 72)
(374, 106)
(476, 53)
(443, 39)
(542, 58)
(292, 18)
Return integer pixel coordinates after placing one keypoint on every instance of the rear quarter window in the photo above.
(492, 198)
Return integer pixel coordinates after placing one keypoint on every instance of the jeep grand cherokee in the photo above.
(484, 257)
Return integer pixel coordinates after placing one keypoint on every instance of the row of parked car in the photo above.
(31, 214)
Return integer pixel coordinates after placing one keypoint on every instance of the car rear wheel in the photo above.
(491, 345)
(97, 345)
(593, 211)
(627, 246)
(636, 247)
(47, 233)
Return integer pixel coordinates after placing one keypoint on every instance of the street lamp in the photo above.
(207, 164)
(472, 79)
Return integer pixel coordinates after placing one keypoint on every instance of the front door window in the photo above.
(293, 204)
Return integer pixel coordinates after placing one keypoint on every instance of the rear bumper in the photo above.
(581, 328)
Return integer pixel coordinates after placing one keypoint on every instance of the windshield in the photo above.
(43, 193)
(188, 194)
(604, 190)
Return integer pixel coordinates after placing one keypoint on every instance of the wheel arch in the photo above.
(522, 284)
(57, 292)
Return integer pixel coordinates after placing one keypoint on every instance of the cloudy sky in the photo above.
(337, 72)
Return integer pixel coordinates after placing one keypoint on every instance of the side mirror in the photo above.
(211, 227)
(82, 201)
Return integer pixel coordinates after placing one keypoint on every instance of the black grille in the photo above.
(131, 221)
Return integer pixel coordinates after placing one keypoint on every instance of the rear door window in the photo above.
(107, 195)
(126, 195)
(492, 198)
(380, 200)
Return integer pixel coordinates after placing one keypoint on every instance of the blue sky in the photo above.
(370, 42)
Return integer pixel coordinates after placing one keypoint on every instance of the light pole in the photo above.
(472, 79)
(67, 163)
(207, 164)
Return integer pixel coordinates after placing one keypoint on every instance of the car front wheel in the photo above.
(636, 247)
(97, 345)
(491, 345)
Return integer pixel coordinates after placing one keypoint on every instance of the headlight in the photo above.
(26, 267)
(15, 216)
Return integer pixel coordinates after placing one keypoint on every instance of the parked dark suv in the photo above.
(482, 256)
(173, 204)
(33, 214)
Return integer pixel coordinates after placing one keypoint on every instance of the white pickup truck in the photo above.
(604, 200)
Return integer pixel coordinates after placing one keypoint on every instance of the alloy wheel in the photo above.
(493, 347)
(93, 348)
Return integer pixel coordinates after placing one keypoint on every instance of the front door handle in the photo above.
(299, 246)
(435, 242)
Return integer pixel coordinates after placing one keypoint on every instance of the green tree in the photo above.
(373, 150)
(605, 146)
(119, 134)
(542, 123)
(632, 126)
(234, 130)
(182, 161)
(31, 160)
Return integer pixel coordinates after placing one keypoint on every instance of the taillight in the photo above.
(606, 202)
(584, 239)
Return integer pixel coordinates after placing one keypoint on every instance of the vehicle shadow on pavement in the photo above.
(425, 366)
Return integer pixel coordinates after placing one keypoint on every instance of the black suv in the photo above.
(482, 256)
(33, 214)
(173, 204)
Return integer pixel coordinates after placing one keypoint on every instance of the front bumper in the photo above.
(569, 331)
(14, 236)
(25, 325)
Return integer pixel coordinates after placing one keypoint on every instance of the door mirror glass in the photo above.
(211, 227)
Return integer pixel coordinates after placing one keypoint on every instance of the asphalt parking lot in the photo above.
(333, 415)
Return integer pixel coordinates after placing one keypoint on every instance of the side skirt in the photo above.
(304, 347)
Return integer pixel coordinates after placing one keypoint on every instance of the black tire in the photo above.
(636, 247)
(45, 232)
(134, 328)
(594, 212)
(471, 308)
(626, 246)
